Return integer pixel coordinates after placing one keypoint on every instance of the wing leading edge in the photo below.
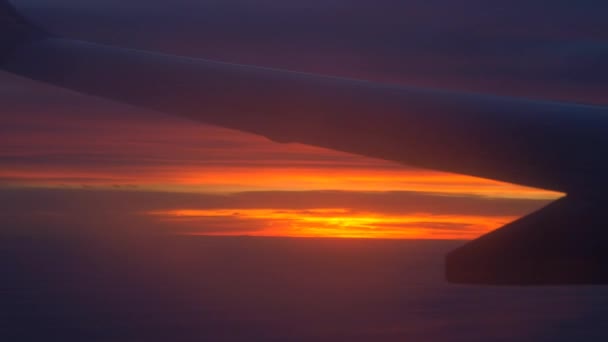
(541, 144)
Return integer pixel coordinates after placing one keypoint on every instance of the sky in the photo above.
(72, 163)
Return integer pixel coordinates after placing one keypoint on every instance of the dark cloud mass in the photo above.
(539, 48)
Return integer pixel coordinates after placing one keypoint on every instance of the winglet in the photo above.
(15, 29)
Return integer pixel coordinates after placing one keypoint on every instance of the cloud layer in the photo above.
(54, 139)
(539, 49)
(313, 213)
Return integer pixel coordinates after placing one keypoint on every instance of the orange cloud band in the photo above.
(336, 222)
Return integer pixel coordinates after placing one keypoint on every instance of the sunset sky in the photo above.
(72, 162)
(120, 223)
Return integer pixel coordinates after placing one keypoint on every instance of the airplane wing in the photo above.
(550, 145)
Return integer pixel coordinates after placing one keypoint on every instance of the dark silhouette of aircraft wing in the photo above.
(550, 145)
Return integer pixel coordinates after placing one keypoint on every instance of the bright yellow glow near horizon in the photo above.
(337, 222)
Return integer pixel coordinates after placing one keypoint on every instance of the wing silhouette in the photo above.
(550, 145)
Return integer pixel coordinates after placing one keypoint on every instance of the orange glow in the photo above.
(173, 156)
(225, 180)
(338, 222)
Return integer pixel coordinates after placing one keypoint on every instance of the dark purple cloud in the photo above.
(539, 48)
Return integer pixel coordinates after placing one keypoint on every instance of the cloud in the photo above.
(535, 48)
(98, 213)
(73, 140)
(56, 138)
